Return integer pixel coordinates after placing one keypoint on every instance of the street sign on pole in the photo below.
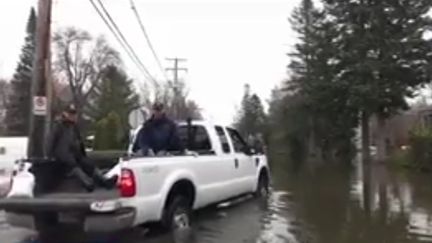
(137, 117)
(40, 105)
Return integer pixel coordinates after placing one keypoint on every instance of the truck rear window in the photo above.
(196, 139)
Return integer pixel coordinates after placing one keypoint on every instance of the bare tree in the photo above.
(80, 61)
(175, 98)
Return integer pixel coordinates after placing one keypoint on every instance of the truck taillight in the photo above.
(127, 183)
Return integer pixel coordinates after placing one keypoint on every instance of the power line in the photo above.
(116, 35)
(147, 37)
(124, 39)
(120, 37)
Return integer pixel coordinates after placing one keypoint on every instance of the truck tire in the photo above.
(177, 214)
(262, 190)
(45, 221)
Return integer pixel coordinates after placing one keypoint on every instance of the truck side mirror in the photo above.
(248, 150)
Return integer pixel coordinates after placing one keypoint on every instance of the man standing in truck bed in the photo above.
(67, 148)
(158, 134)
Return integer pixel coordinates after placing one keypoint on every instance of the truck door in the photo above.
(212, 167)
(229, 161)
(246, 171)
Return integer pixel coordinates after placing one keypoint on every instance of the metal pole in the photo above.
(40, 81)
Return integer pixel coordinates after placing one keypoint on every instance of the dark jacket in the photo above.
(65, 143)
(158, 135)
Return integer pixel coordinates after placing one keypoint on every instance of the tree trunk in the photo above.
(312, 143)
(365, 137)
(381, 139)
(367, 188)
(382, 193)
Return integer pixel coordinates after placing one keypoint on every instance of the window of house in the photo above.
(224, 140)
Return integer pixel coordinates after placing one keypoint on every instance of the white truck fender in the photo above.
(263, 165)
(170, 182)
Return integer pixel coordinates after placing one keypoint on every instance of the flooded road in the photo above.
(330, 204)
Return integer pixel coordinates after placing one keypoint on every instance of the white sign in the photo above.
(137, 117)
(39, 105)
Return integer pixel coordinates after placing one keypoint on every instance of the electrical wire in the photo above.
(143, 29)
(122, 40)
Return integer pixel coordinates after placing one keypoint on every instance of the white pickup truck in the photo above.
(163, 190)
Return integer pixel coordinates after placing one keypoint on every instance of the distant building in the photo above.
(397, 129)
(425, 117)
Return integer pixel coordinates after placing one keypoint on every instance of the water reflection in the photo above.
(326, 204)
(365, 204)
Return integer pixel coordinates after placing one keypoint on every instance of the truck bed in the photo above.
(59, 201)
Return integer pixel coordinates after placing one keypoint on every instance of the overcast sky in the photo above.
(227, 42)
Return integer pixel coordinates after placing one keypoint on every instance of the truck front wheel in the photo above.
(177, 214)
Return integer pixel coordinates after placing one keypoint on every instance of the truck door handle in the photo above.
(257, 161)
(236, 163)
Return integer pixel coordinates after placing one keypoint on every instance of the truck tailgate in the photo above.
(63, 202)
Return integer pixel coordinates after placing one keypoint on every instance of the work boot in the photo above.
(108, 183)
(83, 179)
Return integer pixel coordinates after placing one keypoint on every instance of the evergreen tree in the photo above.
(4, 94)
(252, 118)
(114, 95)
(315, 89)
(19, 103)
(383, 54)
(109, 134)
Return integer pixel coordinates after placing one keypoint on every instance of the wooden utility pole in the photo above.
(176, 70)
(40, 92)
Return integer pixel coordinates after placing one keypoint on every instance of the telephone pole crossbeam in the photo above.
(176, 68)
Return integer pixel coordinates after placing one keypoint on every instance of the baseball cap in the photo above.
(158, 106)
(70, 108)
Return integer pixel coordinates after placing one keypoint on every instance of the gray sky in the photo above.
(227, 42)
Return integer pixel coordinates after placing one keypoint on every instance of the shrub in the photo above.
(421, 148)
(108, 134)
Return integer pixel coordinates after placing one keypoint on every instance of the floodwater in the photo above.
(328, 204)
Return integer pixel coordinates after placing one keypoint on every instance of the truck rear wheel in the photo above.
(45, 221)
(177, 214)
(262, 190)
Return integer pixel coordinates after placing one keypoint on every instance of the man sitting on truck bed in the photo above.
(67, 148)
(158, 134)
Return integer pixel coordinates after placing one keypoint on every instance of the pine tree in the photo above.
(252, 118)
(19, 103)
(384, 55)
(4, 94)
(316, 118)
(114, 97)
(109, 134)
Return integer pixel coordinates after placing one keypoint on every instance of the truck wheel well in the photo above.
(264, 174)
(184, 188)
